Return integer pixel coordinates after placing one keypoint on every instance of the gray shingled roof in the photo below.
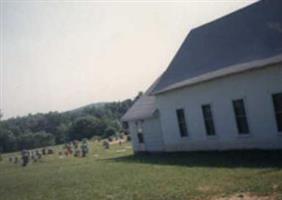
(143, 108)
(249, 34)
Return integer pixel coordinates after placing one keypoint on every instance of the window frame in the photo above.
(140, 138)
(125, 125)
(183, 122)
(278, 128)
(246, 117)
(210, 119)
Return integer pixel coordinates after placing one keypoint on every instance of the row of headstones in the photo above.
(30, 156)
(75, 148)
(76, 153)
(37, 155)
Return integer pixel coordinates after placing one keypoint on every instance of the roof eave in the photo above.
(138, 118)
(233, 69)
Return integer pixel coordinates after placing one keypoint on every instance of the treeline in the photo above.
(38, 130)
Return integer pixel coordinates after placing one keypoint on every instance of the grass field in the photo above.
(118, 174)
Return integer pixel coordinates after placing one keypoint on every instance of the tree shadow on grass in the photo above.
(227, 159)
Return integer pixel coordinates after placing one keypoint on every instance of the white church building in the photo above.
(221, 91)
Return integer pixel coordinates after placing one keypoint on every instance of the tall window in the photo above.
(240, 116)
(207, 114)
(277, 103)
(125, 125)
(140, 138)
(139, 130)
(181, 122)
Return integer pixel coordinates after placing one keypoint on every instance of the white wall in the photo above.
(133, 134)
(152, 135)
(255, 87)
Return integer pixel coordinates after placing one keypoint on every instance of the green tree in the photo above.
(109, 132)
(36, 130)
(7, 140)
(30, 140)
(61, 133)
(87, 127)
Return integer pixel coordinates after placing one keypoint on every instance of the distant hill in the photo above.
(96, 105)
(44, 129)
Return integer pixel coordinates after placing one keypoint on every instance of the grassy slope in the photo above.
(117, 174)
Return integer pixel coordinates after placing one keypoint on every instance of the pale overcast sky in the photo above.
(60, 55)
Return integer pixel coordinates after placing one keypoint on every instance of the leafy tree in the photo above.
(31, 140)
(87, 127)
(61, 133)
(140, 93)
(109, 132)
(44, 139)
(7, 140)
(37, 130)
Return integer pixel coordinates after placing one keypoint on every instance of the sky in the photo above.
(61, 55)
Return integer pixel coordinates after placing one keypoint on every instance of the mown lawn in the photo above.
(118, 174)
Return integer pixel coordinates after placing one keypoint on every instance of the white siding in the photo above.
(133, 135)
(152, 135)
(255, 87)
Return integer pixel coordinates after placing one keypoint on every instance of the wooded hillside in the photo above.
(37, 130)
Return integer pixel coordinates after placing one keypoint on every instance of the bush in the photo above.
(87, 127)
(109, 132)
(7, 141)
(34, 140)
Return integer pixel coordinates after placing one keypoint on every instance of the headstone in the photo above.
(25, 157)
(50, 151)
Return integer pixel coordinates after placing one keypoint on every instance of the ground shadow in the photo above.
(229, 159)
